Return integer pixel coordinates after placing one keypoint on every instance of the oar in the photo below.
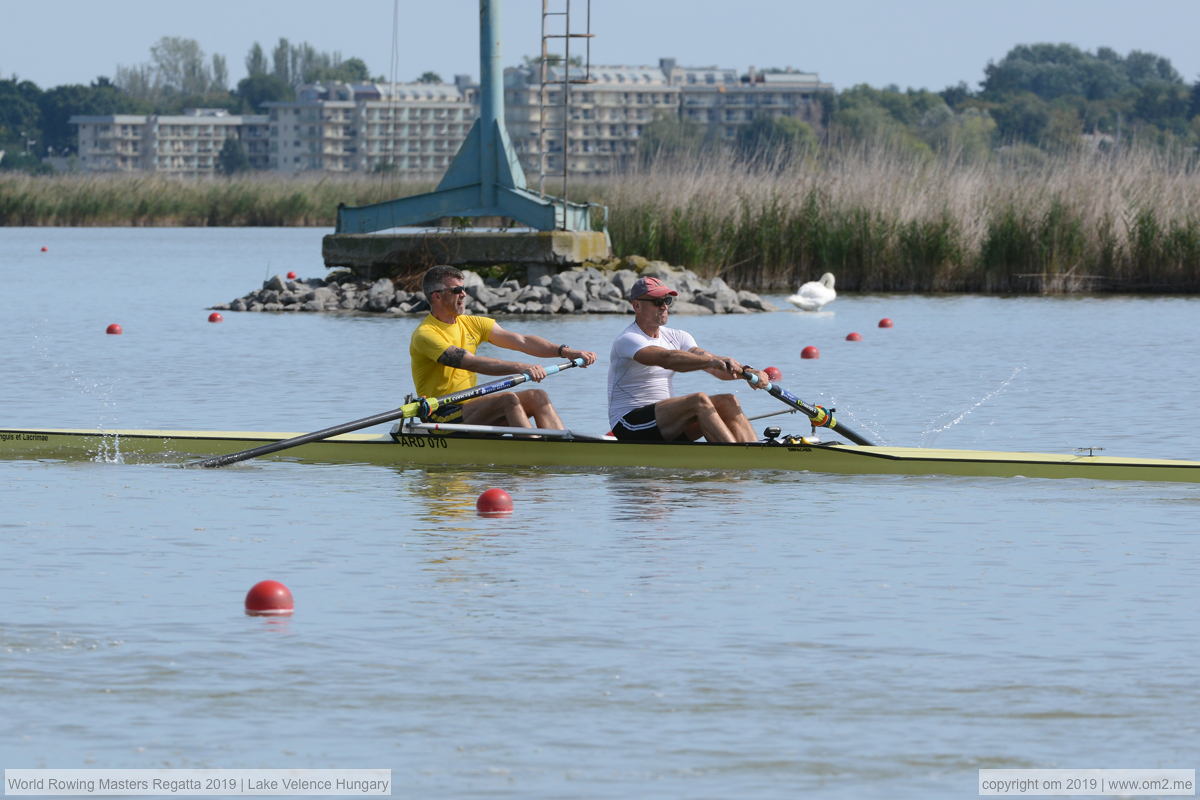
(413, 409)
(818, 416)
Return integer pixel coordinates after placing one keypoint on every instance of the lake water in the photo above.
(625, 633)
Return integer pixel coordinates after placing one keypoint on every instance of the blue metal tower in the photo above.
(485, 179)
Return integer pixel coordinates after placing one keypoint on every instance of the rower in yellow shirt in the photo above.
(442, 352)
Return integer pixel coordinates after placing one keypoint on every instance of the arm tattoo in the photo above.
(452, 357)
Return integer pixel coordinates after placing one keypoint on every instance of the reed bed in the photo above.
(878, 220)
(135, 200)
(881, 222)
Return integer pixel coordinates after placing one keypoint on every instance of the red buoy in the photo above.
(113, 329)
(215, 317)
(44, 249)
(494, 503)
(810, 352)
(269, 599)
(853, 337)
(773, 374)
(291, 276)
(885, 323)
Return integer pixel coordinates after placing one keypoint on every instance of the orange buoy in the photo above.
(885, 323)
(269, 599)
(853, 337)
(810, 352)
(114, 329)
(494, 503)
(291, 276)
(215, 317)
(773, 374)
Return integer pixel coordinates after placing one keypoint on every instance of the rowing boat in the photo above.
(425, 445)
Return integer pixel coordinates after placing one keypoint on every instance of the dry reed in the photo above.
(1126, 222)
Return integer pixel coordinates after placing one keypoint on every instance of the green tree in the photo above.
(429, 77)
(59, 104)
(255, 90)
(774, 142)
(669, 138)
(1053, 71)
(220, 74)
(256, 62)
(352, 70)
(232, 159)
(20, 116)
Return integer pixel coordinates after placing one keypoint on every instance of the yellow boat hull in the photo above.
(425, 450)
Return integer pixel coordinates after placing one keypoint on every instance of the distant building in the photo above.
(725, 101)
(608, 113)
(186, 145)
(415, 129)
(411, 128)
(606, 116)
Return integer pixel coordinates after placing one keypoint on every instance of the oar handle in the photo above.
(817, 415)
(412, 409)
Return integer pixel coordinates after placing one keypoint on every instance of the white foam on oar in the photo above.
(928, 436)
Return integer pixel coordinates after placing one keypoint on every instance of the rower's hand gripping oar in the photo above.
(818, 416)
(414, 409)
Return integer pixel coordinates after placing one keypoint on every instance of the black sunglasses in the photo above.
(659, 301)
(452, 290)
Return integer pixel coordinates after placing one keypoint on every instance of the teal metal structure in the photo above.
(485, 179)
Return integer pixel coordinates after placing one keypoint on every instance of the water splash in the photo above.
(929, 435)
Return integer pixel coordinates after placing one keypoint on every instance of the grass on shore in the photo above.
(1128, 222)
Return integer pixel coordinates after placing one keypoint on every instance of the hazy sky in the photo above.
(917, 43)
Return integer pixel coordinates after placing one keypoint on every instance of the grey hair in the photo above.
(435, 278)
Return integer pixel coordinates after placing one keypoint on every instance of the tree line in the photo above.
(1039, 98)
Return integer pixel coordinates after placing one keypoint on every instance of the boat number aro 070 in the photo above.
(437, 442)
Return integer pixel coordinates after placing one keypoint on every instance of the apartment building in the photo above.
(413, 128)
(588, 123)
(610, 106)
(723, 100)
(186, 144)
(605, 119)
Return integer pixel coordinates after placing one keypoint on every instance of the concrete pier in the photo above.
(375, 255)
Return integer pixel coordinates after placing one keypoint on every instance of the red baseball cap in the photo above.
(650, 287)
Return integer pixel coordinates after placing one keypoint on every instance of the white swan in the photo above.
(813, 295)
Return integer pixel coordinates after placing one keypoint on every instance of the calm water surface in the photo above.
(625, 633)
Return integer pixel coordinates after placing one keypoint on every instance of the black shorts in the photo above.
(640, 425)
(450, 412)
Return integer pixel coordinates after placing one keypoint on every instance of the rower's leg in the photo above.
(502, 408)
(675, 414)
(734, 418)
(536, 403)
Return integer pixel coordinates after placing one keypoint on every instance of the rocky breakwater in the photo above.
(583, 290)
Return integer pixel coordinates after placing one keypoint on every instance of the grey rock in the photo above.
(601, 307)
(564, 282)
(624, 279)
(690, 308)
(538, 294)
(753, 302)
(275, 282)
